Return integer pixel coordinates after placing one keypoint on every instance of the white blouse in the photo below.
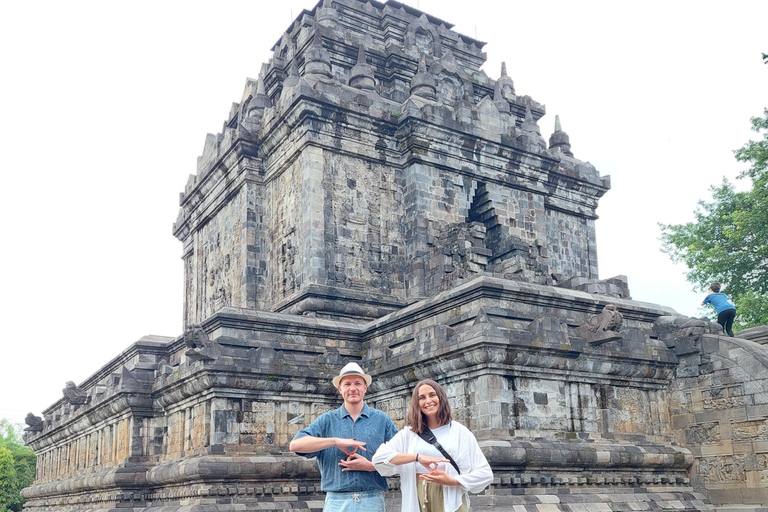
(460, 443)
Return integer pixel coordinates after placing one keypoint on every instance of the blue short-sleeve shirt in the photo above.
(720, 301)
(372, 426)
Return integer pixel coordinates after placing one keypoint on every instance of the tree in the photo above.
(17, 466)
(8, 481)
(728, 241)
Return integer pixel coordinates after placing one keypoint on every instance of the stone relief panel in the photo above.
(256, 247)
(704, 433)
(750, 430)
(364, 231)
(176, 422)
(189, 289)
(259, 423)
(296, 416)
(540, 405)
(722, 470)
(317, 408)
(108, 441)
(629, 411)
(218, 259)
(424, 41)
(726, 397)
(396, 408)
(284, 244)
(761, 466)
(460, 402)
(450, 88)
(92, 451)
(123, 439)
(199, 427)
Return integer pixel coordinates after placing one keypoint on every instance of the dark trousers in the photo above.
(726, 320)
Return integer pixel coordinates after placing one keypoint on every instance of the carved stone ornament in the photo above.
(74, 395)
(604, 327)
(36, 423)
(200, 348)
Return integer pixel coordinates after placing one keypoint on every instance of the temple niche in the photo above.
(376, 197)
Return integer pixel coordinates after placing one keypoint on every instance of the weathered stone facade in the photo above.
(376, 197)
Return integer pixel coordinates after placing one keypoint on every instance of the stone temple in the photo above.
(377, 197)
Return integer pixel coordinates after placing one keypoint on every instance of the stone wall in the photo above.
(719, 407)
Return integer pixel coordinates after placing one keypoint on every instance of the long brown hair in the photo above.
(415, 418)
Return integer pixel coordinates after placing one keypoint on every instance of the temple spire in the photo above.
(559, 141)
(293, 74)
(498, 98)
(317, 60)
(361, 75)
(505, 85)
(326, 16)
(424, 83)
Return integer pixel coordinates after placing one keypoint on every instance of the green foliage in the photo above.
(728, 241)
(8, 480)
(756, 152)
(17, 466)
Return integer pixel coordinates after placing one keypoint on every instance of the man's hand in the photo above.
(440, 477)
(356, 462)
(309, 444)
(349, 446)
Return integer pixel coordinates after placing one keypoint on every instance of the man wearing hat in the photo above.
(344, 441)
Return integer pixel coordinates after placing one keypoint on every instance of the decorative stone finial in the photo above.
(505, 85)
(361, 75)
(317, 60)
(326, 15)
(293, 75)
(559, 140)
(529, 125)
(498, 99)
(423, 83)
(260, 101)
(530, 133)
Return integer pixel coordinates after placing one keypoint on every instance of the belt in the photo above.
(354, 495)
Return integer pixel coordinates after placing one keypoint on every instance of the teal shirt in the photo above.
(719, 301)
(372, 427)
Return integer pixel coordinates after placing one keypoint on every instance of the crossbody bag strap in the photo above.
(429, 437)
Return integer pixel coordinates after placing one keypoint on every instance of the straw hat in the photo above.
(351, 369)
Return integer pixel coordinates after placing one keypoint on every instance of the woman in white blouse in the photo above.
(428, 481)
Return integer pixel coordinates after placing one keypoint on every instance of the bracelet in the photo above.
(417, 457)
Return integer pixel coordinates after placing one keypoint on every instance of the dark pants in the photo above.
(726, 320)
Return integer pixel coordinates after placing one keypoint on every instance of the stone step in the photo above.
(741, 508)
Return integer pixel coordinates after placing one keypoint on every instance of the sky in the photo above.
(104, 109)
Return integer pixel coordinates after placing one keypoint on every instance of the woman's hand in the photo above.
(429, 461)
(439, 477)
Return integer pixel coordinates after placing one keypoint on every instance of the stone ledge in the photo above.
(585, 455)
(113, 478)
